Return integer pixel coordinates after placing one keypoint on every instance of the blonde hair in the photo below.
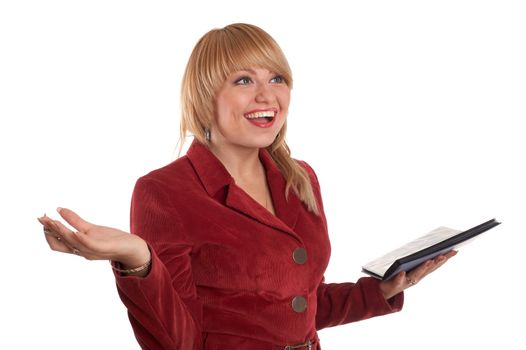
(217, 55)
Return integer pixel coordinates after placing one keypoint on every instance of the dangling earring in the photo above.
(207, 135)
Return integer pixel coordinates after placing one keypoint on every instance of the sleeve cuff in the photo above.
(372, 287)
(154, 270)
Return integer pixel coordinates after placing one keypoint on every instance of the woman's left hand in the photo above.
(405, 280)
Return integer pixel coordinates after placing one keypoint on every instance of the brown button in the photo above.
(300, 256)
(299, 304)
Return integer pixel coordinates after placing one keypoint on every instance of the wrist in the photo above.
(138, 254)
(140, 271)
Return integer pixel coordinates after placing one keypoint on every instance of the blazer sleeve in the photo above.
(340, 303)
(162, 307)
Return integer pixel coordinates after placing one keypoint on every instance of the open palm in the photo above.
(91, 241)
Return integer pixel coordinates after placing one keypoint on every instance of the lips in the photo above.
(262, 118)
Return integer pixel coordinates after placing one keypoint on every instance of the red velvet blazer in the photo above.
(226, 273)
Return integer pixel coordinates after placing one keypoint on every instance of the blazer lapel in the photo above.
(238, 200)
(215, 177)
(287, 207)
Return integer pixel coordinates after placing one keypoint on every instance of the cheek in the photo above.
(221, 114)
(223, 110)
(232, 105)
(284, 99)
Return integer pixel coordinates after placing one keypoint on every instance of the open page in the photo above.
(381, 265)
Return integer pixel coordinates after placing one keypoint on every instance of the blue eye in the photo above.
(243, 81)
(278, 79)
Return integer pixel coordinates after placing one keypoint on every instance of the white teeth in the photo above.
(264, 114)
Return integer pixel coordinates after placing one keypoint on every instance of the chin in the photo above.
(260, 142)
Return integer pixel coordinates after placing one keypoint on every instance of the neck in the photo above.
(241, 163)
(248, 172)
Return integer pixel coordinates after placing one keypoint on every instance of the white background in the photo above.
(409, 111)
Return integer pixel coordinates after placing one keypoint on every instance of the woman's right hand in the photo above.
(94, 242)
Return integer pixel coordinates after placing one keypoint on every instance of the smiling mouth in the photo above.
(268, 115)
(262, 119)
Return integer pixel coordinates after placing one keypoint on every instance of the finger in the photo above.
(441, 260)
(70, 239)
(79, 243)
(61, 238)
(68, 235)
(58, 245)
(74, 220)
(451, 254)
(49, 229)
(58, 236)
(433, 264)
(418, 273)
(401, 280)
(45, 221)
(411, 279)
(429, 266)
(41, 219)
(56, 242)
(50, 226)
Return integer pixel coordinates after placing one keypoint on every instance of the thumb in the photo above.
(74, 220)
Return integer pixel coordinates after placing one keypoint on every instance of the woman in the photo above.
(229, 243)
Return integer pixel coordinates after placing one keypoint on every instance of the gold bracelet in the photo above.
(133, 270)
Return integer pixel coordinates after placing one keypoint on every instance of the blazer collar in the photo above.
(215, 177)
(209, 169)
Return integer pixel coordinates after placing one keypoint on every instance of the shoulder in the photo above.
(174, 171)
(168, 178)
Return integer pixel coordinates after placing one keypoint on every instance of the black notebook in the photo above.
(412, 254)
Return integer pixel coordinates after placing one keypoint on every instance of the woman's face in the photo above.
(250, 108)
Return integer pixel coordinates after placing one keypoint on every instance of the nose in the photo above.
(264, 93)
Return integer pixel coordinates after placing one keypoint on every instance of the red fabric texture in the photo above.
(223, 273)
